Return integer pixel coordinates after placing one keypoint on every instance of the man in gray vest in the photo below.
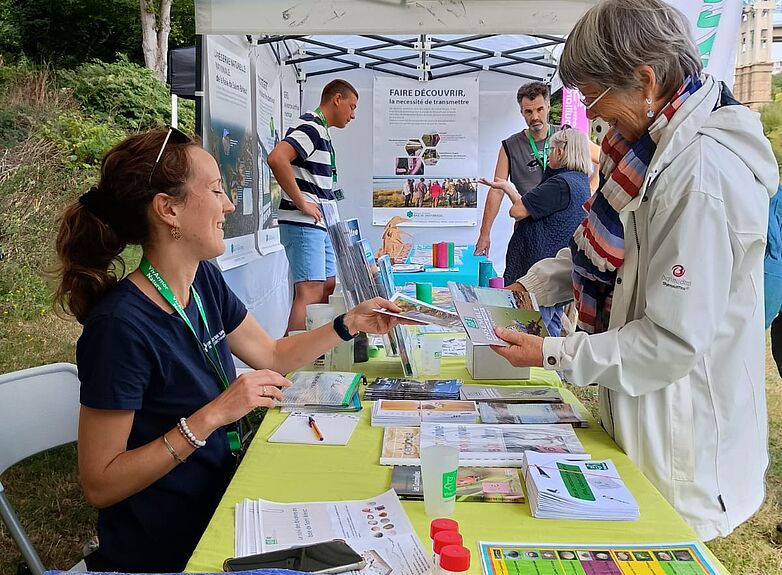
(522, 157)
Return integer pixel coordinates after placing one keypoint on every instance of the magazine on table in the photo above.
(531, 413)
(322, 390)
(473, 484)
(507, 394)
(492, 296)
(480, 321)
(480, 445)
(559, 489)
(377, 528)
(422, 312)
(410, 412)
(405, 388)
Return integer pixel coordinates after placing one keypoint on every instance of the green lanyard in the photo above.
(331, 147)
(212, 356)
(544, 160)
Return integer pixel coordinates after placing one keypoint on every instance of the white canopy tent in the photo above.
(425, 39)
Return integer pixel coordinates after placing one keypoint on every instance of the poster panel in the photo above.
(425, 151)
(231, 141)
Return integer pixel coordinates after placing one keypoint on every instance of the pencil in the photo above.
(314, 427)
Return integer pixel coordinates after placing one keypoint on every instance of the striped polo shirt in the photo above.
(311, 168)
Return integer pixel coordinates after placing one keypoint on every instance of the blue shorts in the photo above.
(310, 253)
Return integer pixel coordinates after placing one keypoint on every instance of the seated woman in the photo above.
(548, 214)
(159, 393)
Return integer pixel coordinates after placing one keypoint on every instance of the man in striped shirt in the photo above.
(305, 166)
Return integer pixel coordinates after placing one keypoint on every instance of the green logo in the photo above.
(596, 466)
(449, 484)
(470, 322)
(409, 214)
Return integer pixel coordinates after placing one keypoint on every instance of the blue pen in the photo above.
(314, 428)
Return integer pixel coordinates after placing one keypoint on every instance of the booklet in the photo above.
(410, 413)
(507, 394)
(532, 413)
(404, 388)
(480, 445)
(480, 320)
(377, 528)
(422, 312)
(559, 489)
(322, 391)
(492, 296)
(475, 484)
(570, 558)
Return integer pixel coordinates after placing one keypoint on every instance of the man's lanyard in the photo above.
(331, 146)
(544, 160)
(212, 356)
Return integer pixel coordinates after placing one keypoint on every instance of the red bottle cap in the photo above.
(444, 538)
(442, 525)
(454, 558)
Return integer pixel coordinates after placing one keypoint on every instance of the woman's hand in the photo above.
(364, 318)
(498, 184)
(525, 350)
(248, 391)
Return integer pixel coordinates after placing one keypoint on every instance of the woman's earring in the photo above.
(649, 112)
(176, 233)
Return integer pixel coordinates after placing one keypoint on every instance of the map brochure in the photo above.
(480, 320)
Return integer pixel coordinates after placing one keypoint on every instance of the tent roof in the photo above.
(307, 17)
(422, 56)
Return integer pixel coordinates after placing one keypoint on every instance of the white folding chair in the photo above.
(39, 410)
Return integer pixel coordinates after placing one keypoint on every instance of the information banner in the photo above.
(425, 151)
(231, 142)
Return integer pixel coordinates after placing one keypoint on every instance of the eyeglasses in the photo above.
(596, 100)
(174, 135)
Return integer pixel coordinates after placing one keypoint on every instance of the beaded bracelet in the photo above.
(185, 430)
(172, 451)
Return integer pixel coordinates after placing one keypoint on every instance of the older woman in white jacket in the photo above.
(667, 268)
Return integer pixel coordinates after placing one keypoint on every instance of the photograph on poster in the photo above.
(413, 147)
(409, 166)
(424, 193)
(231, 145)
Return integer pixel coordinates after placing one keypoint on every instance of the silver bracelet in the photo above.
(172, 451)
(194, 441)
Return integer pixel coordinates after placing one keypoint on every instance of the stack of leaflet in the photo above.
(317, 391)
(420, 389)
(563, 489)
(410, 413)
(532, 413)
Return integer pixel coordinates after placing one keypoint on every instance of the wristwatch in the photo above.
(341, 329)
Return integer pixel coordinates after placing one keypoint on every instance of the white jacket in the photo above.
(681, 369)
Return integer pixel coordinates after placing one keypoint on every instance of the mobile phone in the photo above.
(328, 557)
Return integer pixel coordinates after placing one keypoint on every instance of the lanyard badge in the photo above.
(210, 354)
(331, 148)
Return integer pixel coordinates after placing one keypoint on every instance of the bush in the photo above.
(122, 93)
(83, 139)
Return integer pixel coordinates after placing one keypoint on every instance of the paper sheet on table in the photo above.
(378, 528)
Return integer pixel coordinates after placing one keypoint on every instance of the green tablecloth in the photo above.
(289, 473)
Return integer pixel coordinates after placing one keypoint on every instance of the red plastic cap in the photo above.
(444, 538)
(442, 525)
(454, 558)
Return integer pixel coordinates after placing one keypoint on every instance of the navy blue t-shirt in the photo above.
(132, 355)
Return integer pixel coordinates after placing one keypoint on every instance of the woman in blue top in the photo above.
(159, 393)
(548, 214)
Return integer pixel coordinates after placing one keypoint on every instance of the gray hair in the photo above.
(575, 149)
(614, 37)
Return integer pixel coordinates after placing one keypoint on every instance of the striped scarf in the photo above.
(598, 246)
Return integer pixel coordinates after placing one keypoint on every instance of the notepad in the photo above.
(336, 428)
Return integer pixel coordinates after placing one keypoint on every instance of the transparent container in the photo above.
(439, 465)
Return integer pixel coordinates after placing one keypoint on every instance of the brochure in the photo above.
(532, 413)
(491, 296)
(507, 394)
(377, 528)
(474, 484)
(480, 445)
(421, 312)
(480, 320)
(322, 391)
(570, 558)
(404, 388)
(410, 413)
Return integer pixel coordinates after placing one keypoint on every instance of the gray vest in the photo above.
(525, 170)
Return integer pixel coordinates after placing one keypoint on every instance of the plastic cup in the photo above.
(318, 314)
(431, 347)
(423, 291)
(497, 283)
(485, 271)
(439, 465)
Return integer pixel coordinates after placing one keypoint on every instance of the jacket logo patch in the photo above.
(676, 279)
